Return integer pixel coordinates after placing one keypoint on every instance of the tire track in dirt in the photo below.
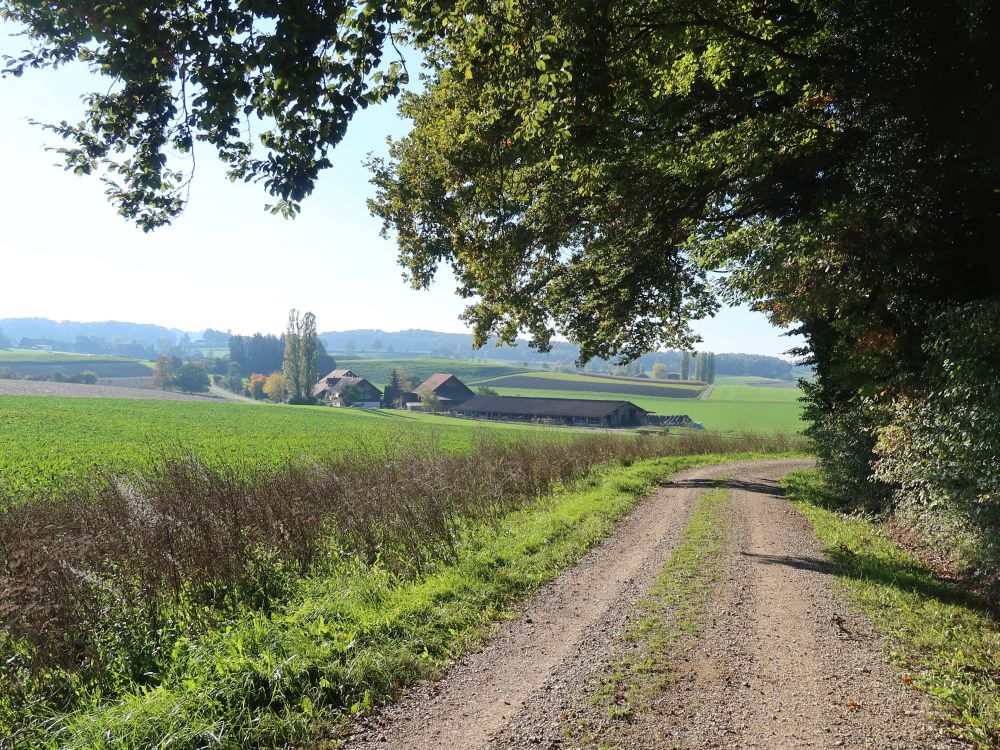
(516, 691)
(784, 663)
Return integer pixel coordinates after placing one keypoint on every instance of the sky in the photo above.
(226, 263)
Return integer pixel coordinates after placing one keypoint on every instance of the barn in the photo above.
(570, 411)
(443, 386)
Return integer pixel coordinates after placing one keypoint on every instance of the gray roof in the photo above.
(544, 407)
(339, 386)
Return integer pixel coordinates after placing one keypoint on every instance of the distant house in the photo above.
(443, 386)
(568, 411)
(331, 388)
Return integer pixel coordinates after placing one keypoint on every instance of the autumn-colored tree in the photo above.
(163, 373)
(660, 371)
(276, 387)
(255, 386)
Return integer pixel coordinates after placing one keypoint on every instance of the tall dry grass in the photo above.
(95, 578)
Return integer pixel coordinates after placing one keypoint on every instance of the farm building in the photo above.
(443, 386)
(571, 411)
(332, 387)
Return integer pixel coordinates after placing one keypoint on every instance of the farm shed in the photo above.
(444, 386)
(572, 411)
(332, 387)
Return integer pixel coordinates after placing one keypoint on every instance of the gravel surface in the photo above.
(782, 662)
(79, 390)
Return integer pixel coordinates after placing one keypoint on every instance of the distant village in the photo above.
(445, 393)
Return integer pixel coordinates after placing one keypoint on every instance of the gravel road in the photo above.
(782, 661)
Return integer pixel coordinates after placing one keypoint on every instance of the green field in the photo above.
(50, 440)
(715, 414)
(581, 378)
(378, 370)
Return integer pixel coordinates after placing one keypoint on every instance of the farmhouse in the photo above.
(359, 392)
(443, 386)
(570, 411)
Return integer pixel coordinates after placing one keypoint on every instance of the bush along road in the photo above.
(720, 614)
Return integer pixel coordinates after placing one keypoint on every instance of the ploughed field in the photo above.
(49, 442)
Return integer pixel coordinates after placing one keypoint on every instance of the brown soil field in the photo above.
(77, 390)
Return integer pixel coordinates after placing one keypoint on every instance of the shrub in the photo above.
(941, 445)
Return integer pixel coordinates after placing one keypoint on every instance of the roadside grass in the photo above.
(715, 414)
(671, 614)
(945, 637)
(353, 635)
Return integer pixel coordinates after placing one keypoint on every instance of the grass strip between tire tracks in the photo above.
(353, 639)
(670, 618)
(943, 636)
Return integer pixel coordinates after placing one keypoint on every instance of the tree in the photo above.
(324, 362)
(486, 391)
(699, 366)
(256, 386)
(393, 391)
(377, 344)
(233, 380)
(300, 358)
(163, 372)
(5, 342)
(350, 346)
(276, 388)
(660, 371)
(685, 365)
(191, 378)
(256, 353)
(710, 368)
(351, 395)
(431, 403)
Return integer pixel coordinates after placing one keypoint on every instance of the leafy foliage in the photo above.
(938, 448)
(196, 73)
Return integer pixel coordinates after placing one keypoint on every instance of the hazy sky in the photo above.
(225, 263)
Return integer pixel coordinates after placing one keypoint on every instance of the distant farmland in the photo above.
(21, 362)
(48, 441)
(378, 370)
(766, 406)
(593, 385)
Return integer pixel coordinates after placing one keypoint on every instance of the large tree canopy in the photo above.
(586, 167)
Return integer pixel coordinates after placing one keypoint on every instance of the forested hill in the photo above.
(436, 343)
(97, 337)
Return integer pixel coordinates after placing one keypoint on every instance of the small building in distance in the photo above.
(445, 387)
(569, 411)
(331, 389)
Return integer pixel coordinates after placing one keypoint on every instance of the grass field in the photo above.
(51, 440)
(378, 370)
(745, 408)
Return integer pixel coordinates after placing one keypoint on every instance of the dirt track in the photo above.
(782, 661)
